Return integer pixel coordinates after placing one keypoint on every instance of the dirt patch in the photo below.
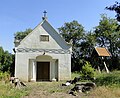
(52, 90)
(56, 90)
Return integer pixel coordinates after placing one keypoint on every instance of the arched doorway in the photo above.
(43, 68)
(43, 63)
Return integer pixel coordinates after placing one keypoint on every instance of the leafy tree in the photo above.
(73, 33)
(1, 56)
(116, 8)
(12, 66)
(20, 35)
(107, 36)
(6, 60)
(87, 45)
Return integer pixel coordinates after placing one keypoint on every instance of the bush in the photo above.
(88, 73)
(75, 74)
(4, 76)
(108, 79)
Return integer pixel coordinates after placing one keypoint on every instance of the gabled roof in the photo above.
(45, 23)
(33, 30)
(45, 20)
(102, 51)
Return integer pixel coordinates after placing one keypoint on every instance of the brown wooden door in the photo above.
(43, 71)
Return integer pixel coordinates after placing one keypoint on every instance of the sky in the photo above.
(19, 15)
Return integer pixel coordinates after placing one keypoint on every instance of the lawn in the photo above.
(8, 91)
(108, 86)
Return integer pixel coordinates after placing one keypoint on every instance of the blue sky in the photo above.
(18, 15)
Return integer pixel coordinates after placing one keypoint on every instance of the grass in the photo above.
(7, 91)
(112, 79)
(51, 87)
(108, 86)
(105, 92)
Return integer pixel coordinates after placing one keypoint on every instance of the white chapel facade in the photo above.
(43, 55)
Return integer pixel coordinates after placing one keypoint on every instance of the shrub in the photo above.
(87, 71)
(4, 76)
(75, 74)
(111, 79)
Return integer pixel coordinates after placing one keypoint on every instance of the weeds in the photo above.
(111, 79)
(8, 91)
(108, 86)
(4, 76)
(105, 92)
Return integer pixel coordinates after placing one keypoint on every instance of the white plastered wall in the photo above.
(60, 67)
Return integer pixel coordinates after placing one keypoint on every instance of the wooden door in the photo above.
(43, 71)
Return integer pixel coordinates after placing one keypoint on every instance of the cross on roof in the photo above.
(45, 13)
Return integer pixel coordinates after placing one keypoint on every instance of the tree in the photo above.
(73, 33)
(116, 8)
(12, 67)
(6, 60)
(88, 44)
(1, 56)
(22, 34)
(107, 36)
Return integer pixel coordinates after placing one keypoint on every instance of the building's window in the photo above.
(44, 37)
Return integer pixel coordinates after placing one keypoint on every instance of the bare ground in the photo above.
(52, 90)
(56, 90)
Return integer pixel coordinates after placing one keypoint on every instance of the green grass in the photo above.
(7, 91)
(111, 79)
(108, 86)
(52, 87)
(108, 79)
